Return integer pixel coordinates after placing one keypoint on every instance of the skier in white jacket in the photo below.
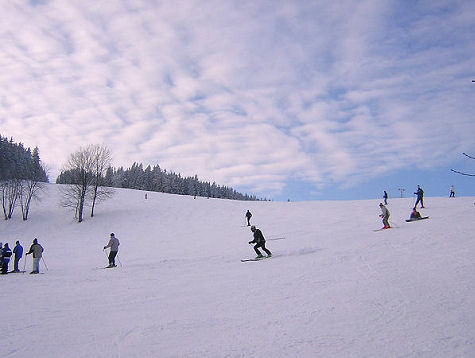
(114, 246)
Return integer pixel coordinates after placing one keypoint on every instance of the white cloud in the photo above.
(248, 94)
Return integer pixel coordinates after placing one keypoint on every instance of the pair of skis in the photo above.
(256, 259)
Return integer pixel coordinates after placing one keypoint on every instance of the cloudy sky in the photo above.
(284, 99)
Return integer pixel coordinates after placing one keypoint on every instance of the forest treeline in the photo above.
(21, 176)
(159, 180)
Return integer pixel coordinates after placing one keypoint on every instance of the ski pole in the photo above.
(24, 265)
(119, 260)
(44, 263)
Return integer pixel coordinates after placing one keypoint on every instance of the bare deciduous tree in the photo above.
(79, 165)
(102, 160)
(9, 190)
(85, 171)
(462, 173)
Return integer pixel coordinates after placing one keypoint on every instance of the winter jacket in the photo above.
(113, 244)
(6, 253)
(419, 193)
(258, 237)
(384, 212)
(36, 250)
(18, 251)
(415, 215)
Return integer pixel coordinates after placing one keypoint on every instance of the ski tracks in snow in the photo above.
(394, 303)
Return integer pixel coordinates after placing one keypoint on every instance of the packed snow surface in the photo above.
(334, 288)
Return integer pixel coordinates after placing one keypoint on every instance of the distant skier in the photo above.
(6, 254)
(415, 215)
(385, 215)
(260, 242)
(114, 246)
(385, 197)
(248, 217)
(452, 192)
(37, 251)
(420, 197)
(18, 252)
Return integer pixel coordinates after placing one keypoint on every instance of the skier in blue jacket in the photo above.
(18, 252)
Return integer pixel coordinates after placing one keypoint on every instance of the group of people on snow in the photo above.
(415, 215)
(6, 253)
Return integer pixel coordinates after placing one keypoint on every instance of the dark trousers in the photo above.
(248, 221)
(263, 246)
(112, 256)
(15, 263)
(421, 200)
(5, 266)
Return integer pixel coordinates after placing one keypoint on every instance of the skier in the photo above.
(385, 197)
(260, 242)
(6, 254)
(248, 217)
(385, 215)
(114, 246)
(420, 197)
(452, 192)
(415, 215)
(37, 251)
(18, 251)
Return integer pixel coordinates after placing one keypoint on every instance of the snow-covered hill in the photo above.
(334, 288)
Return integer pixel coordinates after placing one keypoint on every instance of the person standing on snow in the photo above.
(420, 197)
(114, 246)
(260, 242)
(18, 251)
(248, 217)
(452, 192)
(37, 251)
(385, 197)
(6, 254)
(385, 215)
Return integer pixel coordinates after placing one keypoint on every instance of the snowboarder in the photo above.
(18, 251)
(420, 197)
(114, 246)
(37, 251)
(415, 215)
(6, 254)
(452, 192)
(248, 217)
(260, 242)
(385, 215)
(385, 197)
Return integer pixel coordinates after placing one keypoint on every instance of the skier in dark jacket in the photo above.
(18, 251)
(37, 250)
(6, 254)
(260, 242)
(385, 197)
(415, 215)
(248, 217)
(420, 197)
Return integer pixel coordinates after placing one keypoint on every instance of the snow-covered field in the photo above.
(334, 288)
